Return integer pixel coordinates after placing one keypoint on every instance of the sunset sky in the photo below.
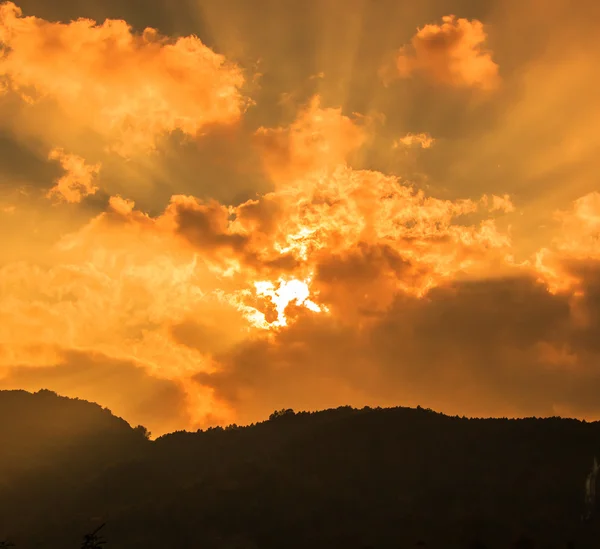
(211, 209)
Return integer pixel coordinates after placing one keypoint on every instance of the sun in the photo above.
(285, 293)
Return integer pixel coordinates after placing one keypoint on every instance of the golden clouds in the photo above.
(580, 228)
(338, 283)
(450, 54)
(330, 242)
(422, 140)
(566, 264)
(120, 205)
(499, 203)
(326, 213)
(318, 139)
(78, 181)
(131, 88)
(113, 291)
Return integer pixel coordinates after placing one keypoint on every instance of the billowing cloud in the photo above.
(113, 290)
(422, 140)
(78, 181)
(308, 275)
(502, 337)
(576, 250)
(499, 203)
(580, 228)
(450, 54)
(131, 88)
(330, 241)
(381, 294)
(319, 138)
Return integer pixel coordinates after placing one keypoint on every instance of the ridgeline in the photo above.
(342, 478)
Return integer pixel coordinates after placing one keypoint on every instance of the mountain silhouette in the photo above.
(347, 478)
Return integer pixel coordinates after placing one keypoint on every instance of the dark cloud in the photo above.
(200, 336)
(23, 165)
(206, 226)
(139, 13)
(504, 346)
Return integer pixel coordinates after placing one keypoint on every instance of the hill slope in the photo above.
(339, 478)
(51, 446)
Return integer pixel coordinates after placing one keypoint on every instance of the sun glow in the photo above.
(287, 292)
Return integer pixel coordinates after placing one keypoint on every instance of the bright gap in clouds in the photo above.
(287, 292)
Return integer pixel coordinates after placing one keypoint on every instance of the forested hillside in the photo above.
(379, 478)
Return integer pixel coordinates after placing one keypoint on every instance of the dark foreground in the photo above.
(352, 479)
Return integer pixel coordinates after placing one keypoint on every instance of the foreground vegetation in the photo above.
(370, 478)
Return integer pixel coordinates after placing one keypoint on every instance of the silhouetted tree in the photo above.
(143, 431)
(281, 413)
(93, 540)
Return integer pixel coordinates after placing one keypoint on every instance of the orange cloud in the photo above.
(340, 285)
(580, 228)
(499, 203)
(123, 283)
(322, 216)
(564, 266)
(389, 298)
(114, 290)
(424, 140)
(131, 88)
(78, 182)
(450, 54)
(318, 139)
(282, 248)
